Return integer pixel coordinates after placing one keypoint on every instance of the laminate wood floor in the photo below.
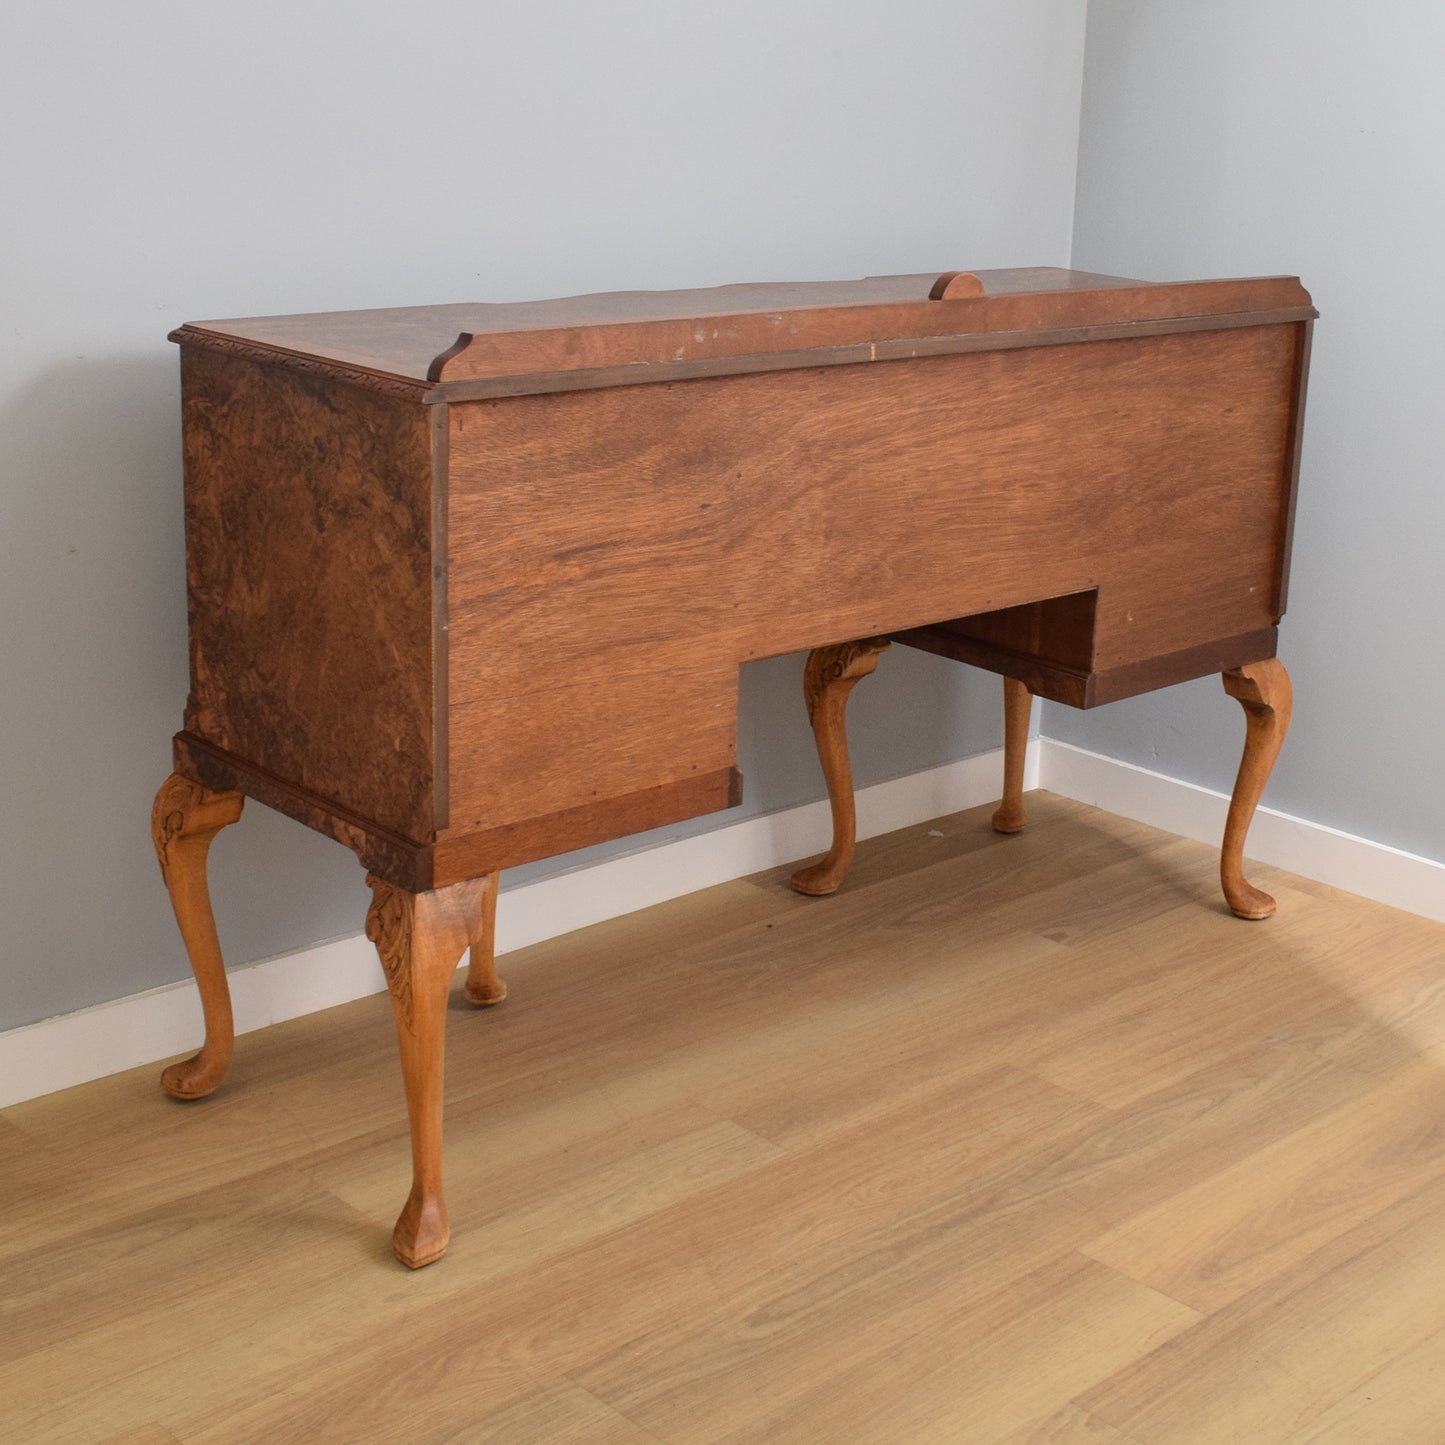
(1015, 1140)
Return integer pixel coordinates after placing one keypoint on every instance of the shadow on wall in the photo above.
(93, 652)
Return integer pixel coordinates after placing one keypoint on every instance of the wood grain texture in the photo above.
(1069, 1426)
(1400, 1401)
(484, 988)
(846, 1163)
(690, 340)
(1078, 686)
(1264, 691)
(1053, 636)
(463, 852)
(957, 286)
(1302, 368)
(309, 566)
(1009, 816)
(185, 817)
(659, 536)
(910, 348)
(199, 339)
(420, 938)
(1210, 1245)
(829, 676)
(418, 344)
(386, 853)
(1234, 1376)
(560, 1414)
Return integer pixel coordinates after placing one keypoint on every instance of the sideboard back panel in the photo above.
(614, 555)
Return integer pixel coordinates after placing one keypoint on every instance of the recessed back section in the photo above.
(614, 555)
(1047, 644)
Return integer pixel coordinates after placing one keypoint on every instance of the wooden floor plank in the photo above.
(1069, 1426)
(151, 1294)
(1003, 1219)
(560, 1414)
(983, 1372)
(145, 1435)
(1404, 1401)
(750, 1166)
(1235, 1230)
(1269, 1365)
(962, 1366)
(653, 1278)
(548, 1214)
(1209, 985)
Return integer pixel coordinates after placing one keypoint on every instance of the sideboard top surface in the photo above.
(447, 351)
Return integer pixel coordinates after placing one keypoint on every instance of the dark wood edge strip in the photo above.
(1043, 679)
(469, 855)
(700, 332)
(1292, 465)
(643, 373)
(1082, 689)
(1118, 683)
(418, 867)
(399, 860)
(440, 620)
(439, 361)
(299, 361)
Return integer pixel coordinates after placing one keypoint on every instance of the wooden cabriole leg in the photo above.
(828, 678)
(184, 819)
(1263, 689)
(421, 938)
(1009, 817)
(483, 987)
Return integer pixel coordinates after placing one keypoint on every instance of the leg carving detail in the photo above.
(420, 938)
(483, 987)
(830, 675)
(184, 819)
(1018, 702)
(1263, 689)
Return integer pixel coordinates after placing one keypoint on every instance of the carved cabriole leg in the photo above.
(421, 938)
(184, 819)
(484, 988)
(828, 678)
(1263, 689)
(1009, 817)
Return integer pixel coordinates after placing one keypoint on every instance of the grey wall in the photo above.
(166, 161)
(1249, 137)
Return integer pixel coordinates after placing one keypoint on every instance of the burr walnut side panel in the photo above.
(308, 539)
(615, 555)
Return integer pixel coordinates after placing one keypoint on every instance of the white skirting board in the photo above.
(1371, 870)
(145, 1028)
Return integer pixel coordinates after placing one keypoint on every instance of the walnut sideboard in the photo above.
(470, 585)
